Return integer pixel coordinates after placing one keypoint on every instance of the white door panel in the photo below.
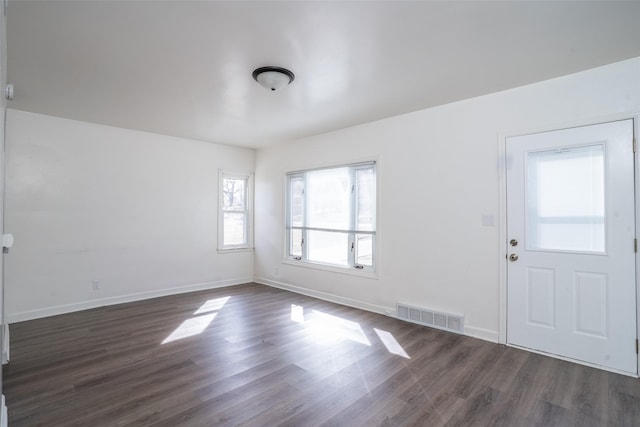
(4, 338)
(571, 228)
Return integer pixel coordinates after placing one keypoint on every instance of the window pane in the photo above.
(366, 200)
(328, 204)
(364, 249)
(328, 196)
(234, 194)
(297, 201)
(566, 199)
(234, 229)
(295, 244)
(328, 247)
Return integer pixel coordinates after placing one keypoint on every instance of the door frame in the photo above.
(503, 249)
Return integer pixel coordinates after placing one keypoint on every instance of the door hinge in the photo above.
(635, 245)
(636, 346)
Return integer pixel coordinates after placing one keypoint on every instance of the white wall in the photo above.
(138, 211)
(133, 210)
(434, 250)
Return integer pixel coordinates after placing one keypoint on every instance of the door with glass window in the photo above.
(571, 288)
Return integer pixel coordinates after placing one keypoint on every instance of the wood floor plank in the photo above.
(252, 355)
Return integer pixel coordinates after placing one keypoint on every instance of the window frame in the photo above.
(352, 266)
(248, 211)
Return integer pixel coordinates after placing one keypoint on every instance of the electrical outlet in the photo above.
(95, 285)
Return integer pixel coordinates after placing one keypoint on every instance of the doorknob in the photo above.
(513, 257)
(7, 242)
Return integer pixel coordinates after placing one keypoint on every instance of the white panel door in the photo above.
(3, 111)
(571, 286)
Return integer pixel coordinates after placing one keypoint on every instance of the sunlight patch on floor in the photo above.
(389, 341)
(297, 313)
(190, 327)
(197, 325)
(329, 329)
(212, 305)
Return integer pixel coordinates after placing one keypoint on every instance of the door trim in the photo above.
(502, 247)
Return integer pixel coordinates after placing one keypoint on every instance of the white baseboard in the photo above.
(4, 418)
(483, 334)
(120, 299)
(5, 344)
(389, 311)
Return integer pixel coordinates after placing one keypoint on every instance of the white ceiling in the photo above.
(184, 68)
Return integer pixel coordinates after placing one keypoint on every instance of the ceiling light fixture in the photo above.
(273, 78)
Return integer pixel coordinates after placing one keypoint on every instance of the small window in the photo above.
(234, 219)
(566, 200)
(331, 216)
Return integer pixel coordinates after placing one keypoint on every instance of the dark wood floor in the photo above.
(270, 357)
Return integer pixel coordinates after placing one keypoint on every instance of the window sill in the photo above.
(234, 250)
(373, 275)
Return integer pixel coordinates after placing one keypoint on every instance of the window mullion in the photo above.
(245, 211)
(288, 218)
(352, 219)
(305, 220)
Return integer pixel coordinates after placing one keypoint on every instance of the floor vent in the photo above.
(435, 319)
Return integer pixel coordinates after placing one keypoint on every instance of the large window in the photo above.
(234, 219)
(331, 216)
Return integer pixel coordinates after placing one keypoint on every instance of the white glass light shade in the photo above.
(273, 80)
